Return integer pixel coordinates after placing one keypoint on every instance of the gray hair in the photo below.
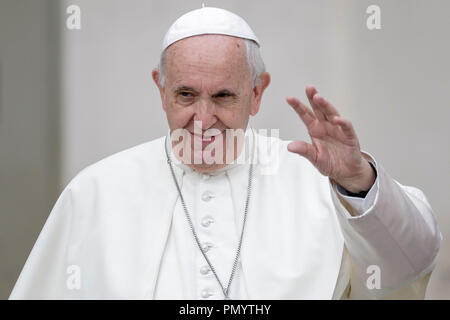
(254, 60)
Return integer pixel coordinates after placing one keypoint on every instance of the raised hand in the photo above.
(334, 148)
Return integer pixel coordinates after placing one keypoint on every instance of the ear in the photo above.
(155, 76)
(258, 90)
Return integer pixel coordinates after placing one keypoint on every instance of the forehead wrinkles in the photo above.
(220, 58)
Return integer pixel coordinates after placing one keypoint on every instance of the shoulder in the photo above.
(138, 161)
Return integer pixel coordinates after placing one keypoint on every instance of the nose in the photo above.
(205, 112)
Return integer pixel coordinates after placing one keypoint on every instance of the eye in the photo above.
(186, 94)
(185, 97)
(224, 95)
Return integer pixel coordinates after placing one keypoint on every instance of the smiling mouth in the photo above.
(205, 139)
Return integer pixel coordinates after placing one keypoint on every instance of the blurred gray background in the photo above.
(71, 97)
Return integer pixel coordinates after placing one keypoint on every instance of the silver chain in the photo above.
(225, 290)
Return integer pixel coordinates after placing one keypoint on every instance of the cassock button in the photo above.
(206, 246)
(206, 293)
(205, 270)
(207, 195)
(206, 221)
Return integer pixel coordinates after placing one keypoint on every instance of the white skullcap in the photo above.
(208, 20)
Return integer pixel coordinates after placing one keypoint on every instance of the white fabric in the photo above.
(208, 20)
(184, 273)
(359, 205)
(118, 220)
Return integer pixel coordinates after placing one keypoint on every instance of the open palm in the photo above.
(334, 148)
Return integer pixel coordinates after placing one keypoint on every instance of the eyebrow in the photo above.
(222, 91)
(184, 88)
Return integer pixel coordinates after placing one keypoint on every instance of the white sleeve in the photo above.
(397, 234)
(360, 205)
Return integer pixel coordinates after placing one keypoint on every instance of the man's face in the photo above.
(208, 80)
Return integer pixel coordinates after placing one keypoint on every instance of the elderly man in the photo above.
(176, 218)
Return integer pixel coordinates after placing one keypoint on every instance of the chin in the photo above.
(207, 168)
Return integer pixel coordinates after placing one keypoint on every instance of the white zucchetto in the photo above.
(208, 20)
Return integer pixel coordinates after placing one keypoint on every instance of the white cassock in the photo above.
(120, 229)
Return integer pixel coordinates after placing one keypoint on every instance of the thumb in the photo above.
(303, 149)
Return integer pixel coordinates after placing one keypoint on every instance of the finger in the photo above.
(326, 107)
(302, 110)
(304, 149)
(310, 92)
(346, 126)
